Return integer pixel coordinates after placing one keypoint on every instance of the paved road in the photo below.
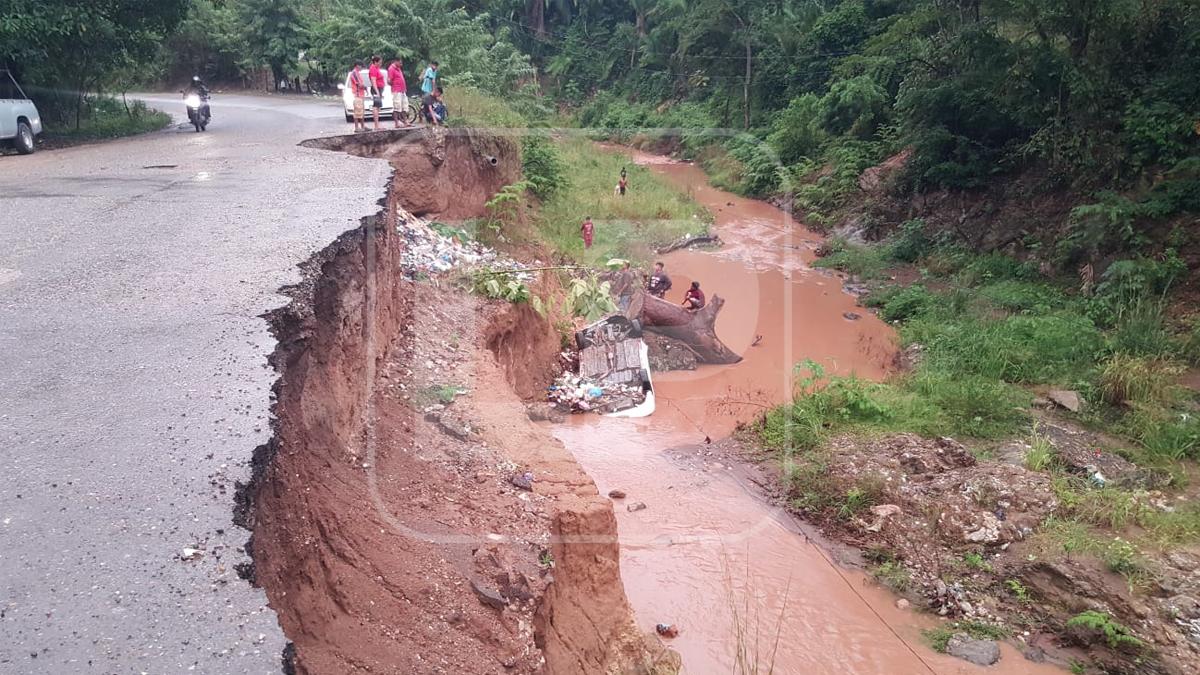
(134, 385)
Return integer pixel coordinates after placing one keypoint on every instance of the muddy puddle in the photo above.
(745, 585)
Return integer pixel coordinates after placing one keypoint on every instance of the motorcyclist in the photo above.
(197, 86)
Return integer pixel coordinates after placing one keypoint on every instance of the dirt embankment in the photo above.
(386, 529)
(447, 173)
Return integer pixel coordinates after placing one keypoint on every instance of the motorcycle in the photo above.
(198, 110)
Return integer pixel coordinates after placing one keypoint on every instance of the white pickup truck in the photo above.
(20, 122)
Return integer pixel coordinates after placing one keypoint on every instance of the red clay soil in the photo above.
(448, 173)
(386, 530)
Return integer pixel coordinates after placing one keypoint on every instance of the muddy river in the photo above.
(746, 586)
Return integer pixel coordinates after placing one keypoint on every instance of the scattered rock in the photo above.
(903, 604)
(522, 480)
(454, 428)
(1071, 400)
(979, 652)
(885, 510)
(1035, 654)
(190, 553)
(616, 494)
(636, 506)
(545, 413)
(667, 630)
(488, 595)
(851, 316)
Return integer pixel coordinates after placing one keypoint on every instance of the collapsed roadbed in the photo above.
(387, 529)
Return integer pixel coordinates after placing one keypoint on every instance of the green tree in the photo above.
(274, 32)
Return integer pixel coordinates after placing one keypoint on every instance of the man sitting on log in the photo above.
(694, 298)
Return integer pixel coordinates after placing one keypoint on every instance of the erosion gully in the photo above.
(742, 579)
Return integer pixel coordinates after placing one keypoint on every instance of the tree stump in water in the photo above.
(695, 329)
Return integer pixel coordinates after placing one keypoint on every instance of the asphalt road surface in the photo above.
(134, 384)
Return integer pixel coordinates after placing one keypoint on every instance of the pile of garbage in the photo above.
(431, 249)
(575, 394)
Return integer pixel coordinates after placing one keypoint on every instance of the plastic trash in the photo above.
(595, 392)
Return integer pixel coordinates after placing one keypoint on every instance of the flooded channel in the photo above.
(746, 586)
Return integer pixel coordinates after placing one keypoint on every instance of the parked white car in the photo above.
(20, 122)
(387, 110)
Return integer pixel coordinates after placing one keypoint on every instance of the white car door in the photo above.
(8, 105)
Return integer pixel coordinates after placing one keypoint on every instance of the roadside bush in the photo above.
(1163, 433)
(1116, 635)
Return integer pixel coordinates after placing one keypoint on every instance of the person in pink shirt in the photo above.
(375, 74)
(395, 76)
(587, 230)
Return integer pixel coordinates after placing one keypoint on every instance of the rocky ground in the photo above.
(968, 535)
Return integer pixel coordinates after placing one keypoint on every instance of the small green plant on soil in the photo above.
(1121, 557)
(975, 561)
(546, 559)
(1018, 590)
(1115, 635)
(894, 575)
(1078, 667)
(504, 206)
(1042, 455)
(439, 393)
(500, 286)
(940, 636)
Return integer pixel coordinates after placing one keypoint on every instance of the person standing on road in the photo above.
(429, 78)
(376, 77)
(395, 76)
(356, 82)
(659, 283)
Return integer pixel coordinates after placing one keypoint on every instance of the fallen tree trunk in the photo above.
(695, 329)
(688, 241)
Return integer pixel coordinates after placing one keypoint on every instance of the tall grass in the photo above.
(652, 213)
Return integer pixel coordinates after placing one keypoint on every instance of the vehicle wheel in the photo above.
(24, 140)
(349, 117)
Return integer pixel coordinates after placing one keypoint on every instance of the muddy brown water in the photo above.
(738, 576)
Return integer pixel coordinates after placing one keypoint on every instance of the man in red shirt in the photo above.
(395, 76)
(376, 76)
(694, 298)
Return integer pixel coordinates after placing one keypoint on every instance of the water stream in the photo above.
(741, 579)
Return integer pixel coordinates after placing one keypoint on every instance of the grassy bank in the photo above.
(101, 119)
(568, 177)
(986, 337)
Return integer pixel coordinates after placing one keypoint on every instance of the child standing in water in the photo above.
(587, 230)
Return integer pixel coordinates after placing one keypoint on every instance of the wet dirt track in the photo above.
(707, 553)
(133, 381)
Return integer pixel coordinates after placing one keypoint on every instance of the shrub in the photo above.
(796, 132)
(973, 406)
(904, 303)
(1042, 455)
(543, 166)
(1115, 634)
(910, 242)
(1141, 330)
